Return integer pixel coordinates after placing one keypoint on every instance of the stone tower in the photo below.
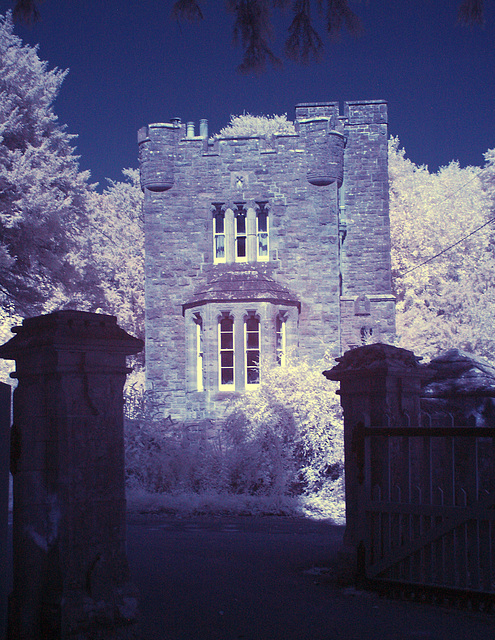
(256, 246)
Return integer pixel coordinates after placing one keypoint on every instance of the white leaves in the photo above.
(248, 125)
(450, 301)
(114, 247)
(42, 193)
(296, 408)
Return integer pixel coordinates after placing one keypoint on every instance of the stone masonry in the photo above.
(256, 246)
(70, 571)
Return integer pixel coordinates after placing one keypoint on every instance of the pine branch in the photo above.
(252, 28)
(338, 14)
(304, 41)
(471, 12)
(26, 11)
(188, 10)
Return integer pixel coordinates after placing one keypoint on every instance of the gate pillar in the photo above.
(380, 385)
(5, 393)
(71, 576)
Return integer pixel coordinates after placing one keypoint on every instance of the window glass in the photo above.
(241, 223)
(199, 353)
(219, 247)
(280, 340)
(227, 340)
(226, 331)
(240, 234)
(262, 231)
(252, 342)
(218, 234)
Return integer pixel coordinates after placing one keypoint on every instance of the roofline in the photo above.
(204, 301)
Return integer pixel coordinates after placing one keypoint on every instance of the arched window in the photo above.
(226, 351)
(280, 338)
(199, 359)
(252, 348)
(219, 253)
(262, 231)
(240, 233)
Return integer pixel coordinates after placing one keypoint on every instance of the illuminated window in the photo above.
(262, 231)
(226, 351)
(252, 348)
(280, 339)
(218, 233)
(199, 352)
(240, 234)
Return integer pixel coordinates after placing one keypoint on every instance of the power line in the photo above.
(422, 264)
(448, 248)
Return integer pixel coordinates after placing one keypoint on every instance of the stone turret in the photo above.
(157, 148)
(325, 142)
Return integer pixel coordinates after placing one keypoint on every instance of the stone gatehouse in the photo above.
(255, 246)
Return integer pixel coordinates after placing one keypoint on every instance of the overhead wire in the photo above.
(463, 239)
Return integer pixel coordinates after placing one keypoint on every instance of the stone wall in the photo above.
(328, 233)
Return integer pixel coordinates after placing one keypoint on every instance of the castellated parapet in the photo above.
(256, 246)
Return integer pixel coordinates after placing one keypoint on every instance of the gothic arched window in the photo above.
(252, 348)
(226, 351)
(281, 338)
(199, 354)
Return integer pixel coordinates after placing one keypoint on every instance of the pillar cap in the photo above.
(455, 373)
(375, 359)
(70, 330)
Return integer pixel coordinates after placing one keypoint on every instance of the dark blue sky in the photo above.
(131, 65)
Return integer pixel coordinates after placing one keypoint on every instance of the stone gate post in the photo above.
(71, 576)
(380, 385)
(5, 393)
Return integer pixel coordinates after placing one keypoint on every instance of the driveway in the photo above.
(268, 578)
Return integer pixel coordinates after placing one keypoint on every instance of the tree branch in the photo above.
(188, 10)
(471, 12)
(339, 14)
(252, 28)
(304, 41)
(26, 11)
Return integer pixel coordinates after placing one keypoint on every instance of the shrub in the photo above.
(285, 438)
(247, 125)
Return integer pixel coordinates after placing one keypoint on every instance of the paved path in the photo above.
(248, 578)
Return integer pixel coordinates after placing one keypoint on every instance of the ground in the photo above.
(268, 578)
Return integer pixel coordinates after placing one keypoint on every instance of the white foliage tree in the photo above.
(113, 251)
(246, 125)
(42, 192)
(450, 301)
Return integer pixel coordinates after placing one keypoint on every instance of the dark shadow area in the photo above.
(264, 578)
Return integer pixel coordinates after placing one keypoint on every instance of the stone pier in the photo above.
(71, 576)
(380, 385)
(5, 393)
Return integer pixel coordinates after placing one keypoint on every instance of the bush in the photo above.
(294, 417)
(247, 125)
(285, 438)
